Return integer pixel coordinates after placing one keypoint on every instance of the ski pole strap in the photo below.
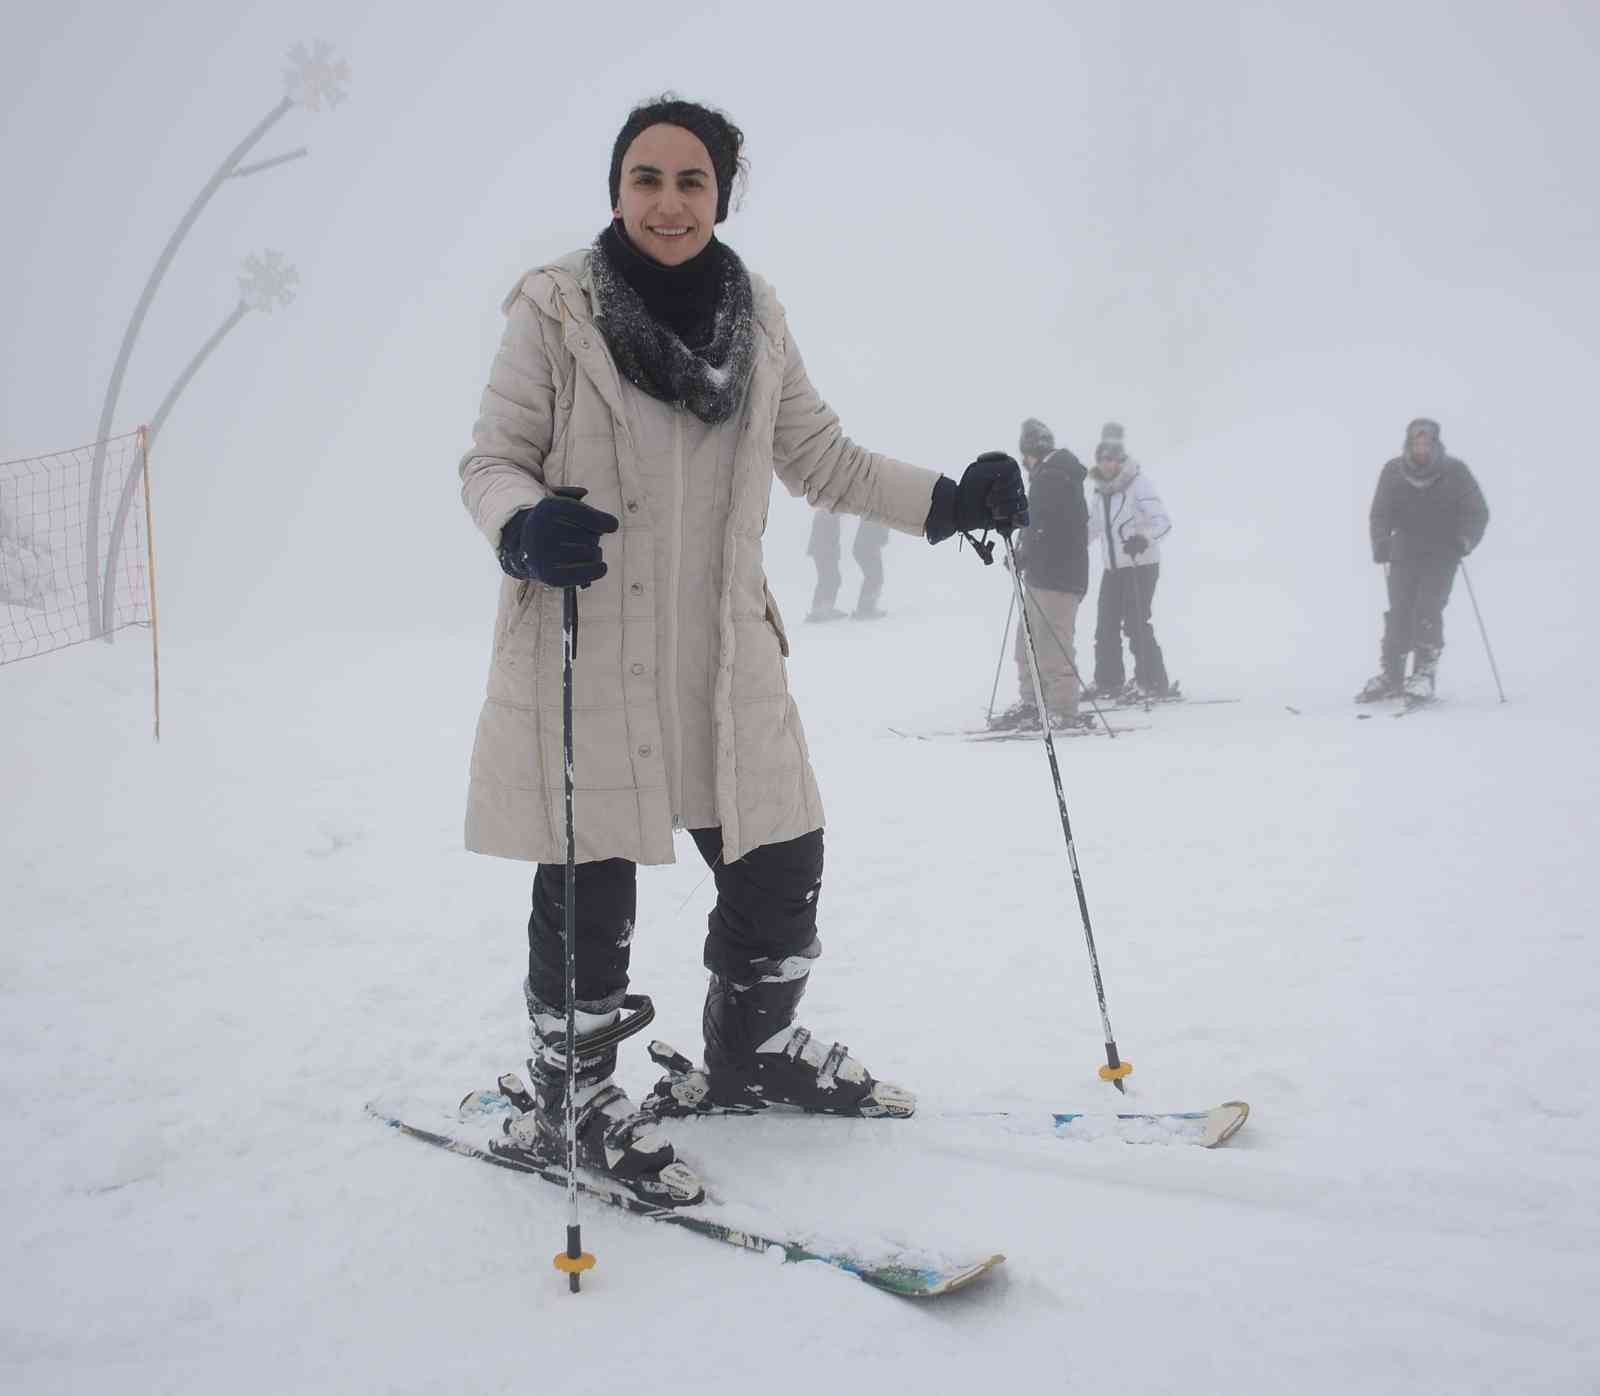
(638, 1013)
(569, 595)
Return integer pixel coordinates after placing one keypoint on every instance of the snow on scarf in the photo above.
(709, 381)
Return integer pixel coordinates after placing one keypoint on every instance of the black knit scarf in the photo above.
(685, 335)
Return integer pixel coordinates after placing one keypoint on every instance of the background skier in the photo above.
(654, 371)
(1129, 519)
(1053, 557)
(871, 539)
(1427, 514)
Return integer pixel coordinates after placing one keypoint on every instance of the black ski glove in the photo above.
(1135, 544)
(991, 495)
(556, 542)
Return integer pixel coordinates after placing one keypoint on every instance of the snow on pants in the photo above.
(1419, 587)
(1053, 617)
(1126, 594)
(766, 911)
(867, 550)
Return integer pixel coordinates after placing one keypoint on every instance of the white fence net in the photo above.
(45, 547)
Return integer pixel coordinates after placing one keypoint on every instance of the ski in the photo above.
(1209, 1129)
(1415, 705)
(905, 1273)
(989, 734)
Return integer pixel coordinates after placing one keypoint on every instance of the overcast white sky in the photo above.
(1263, 235)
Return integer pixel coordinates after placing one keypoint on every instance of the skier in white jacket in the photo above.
(1128, 518)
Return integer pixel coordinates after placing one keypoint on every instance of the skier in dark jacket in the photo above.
(1427, 514)
(1053, 556)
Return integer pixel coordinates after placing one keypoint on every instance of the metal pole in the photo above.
(150, 552)
(1115, 1069)
(1005, 636)
(114, 389)
(114, 545)
(1472, 596)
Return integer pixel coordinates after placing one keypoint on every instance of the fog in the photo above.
(1263, 236)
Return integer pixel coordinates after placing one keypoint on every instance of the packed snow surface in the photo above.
(1380, 933)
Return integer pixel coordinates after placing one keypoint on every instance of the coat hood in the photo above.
(1061, 462)
(1120, 481)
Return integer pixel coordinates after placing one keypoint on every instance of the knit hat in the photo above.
(1037, 439)
(1112, 431)
(721, 138)
(1429, 466)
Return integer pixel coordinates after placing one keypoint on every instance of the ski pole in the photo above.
(574, 1260)
(1493, 667)
(1115, 1070)
(1004, 636)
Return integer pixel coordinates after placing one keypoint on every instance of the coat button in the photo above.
(637, 588)
(638, 668)
(645, 750)
(633, 506)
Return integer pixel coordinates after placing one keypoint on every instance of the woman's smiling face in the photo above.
(667, 198)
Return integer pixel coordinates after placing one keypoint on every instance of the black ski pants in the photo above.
(1419, 588)
(1126, 595)
(766, 911)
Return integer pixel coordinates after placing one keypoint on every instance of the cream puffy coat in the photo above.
(681, 708)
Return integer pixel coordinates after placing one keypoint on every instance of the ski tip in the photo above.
(929, 1282)
(1225, 1121)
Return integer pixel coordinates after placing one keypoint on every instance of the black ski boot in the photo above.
(615, 1139)
(1021, 716)
(1419, 688)
(757, 1056)
(1387, 683)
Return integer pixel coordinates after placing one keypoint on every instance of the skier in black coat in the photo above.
(1427, 514)
(1053, 555)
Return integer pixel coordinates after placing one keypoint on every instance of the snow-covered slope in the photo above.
(1379, 933)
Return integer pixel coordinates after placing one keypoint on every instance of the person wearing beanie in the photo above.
(823, 550)
(1129, 520)
(1427, 514)
(1052, 555)
(646, 391)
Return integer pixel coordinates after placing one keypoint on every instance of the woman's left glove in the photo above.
(991, 495)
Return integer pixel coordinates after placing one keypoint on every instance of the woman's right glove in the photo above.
(991, 495)
(556, 542)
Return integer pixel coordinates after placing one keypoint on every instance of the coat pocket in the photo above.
(775, 619)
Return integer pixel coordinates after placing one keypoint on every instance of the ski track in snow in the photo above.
(1379, 934)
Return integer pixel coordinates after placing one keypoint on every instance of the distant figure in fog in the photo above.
(1129, 519)
(1427, 514)
(1053, 558)
(871, 539)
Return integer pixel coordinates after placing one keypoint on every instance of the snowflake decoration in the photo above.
(314, 76)
(267, 281)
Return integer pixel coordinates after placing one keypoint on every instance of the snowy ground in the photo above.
(1379, 933)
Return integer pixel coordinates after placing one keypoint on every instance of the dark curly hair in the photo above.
(722, 139)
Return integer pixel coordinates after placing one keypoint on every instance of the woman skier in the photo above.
(654, 372)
